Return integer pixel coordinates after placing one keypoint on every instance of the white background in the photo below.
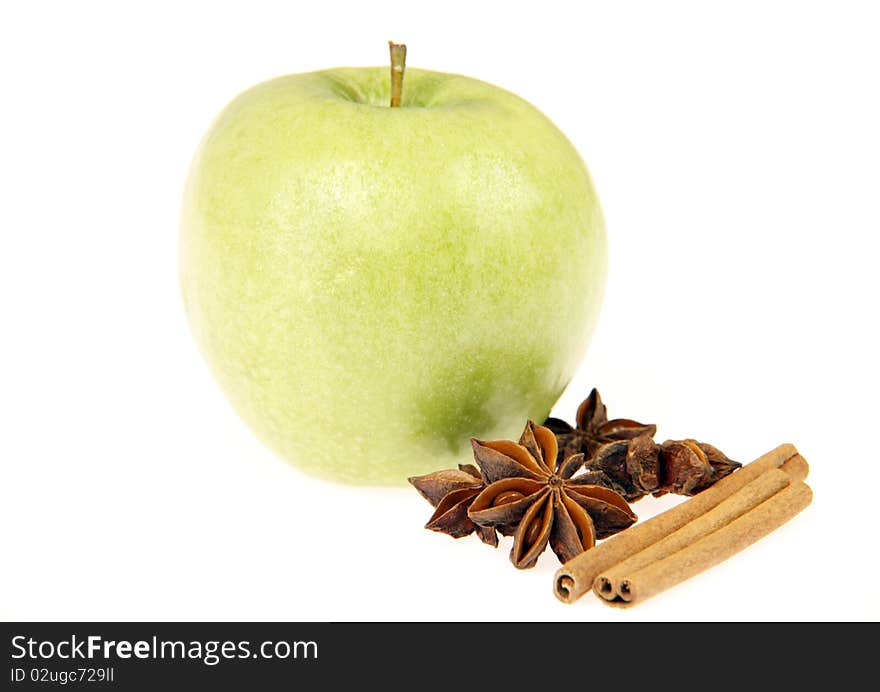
(736, 152)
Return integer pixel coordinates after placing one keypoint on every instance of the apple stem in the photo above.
(398, 64)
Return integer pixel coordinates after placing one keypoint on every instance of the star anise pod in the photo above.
(529, 488)
(452, 491)
(688, 466)
(594, 429)
(635, 468)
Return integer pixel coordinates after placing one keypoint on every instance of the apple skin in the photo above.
(373, 286)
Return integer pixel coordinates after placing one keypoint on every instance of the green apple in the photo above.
(372, 286)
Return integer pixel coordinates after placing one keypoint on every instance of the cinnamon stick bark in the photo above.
(611, 584)
(714, 547)
(576, 576)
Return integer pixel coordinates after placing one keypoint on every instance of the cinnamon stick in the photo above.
(576, 576)
(611, 584)
(714, 547)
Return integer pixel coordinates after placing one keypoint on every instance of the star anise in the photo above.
(452, 491)
(529, 488)
(688, 466)
(594, 429)
(634, 468)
